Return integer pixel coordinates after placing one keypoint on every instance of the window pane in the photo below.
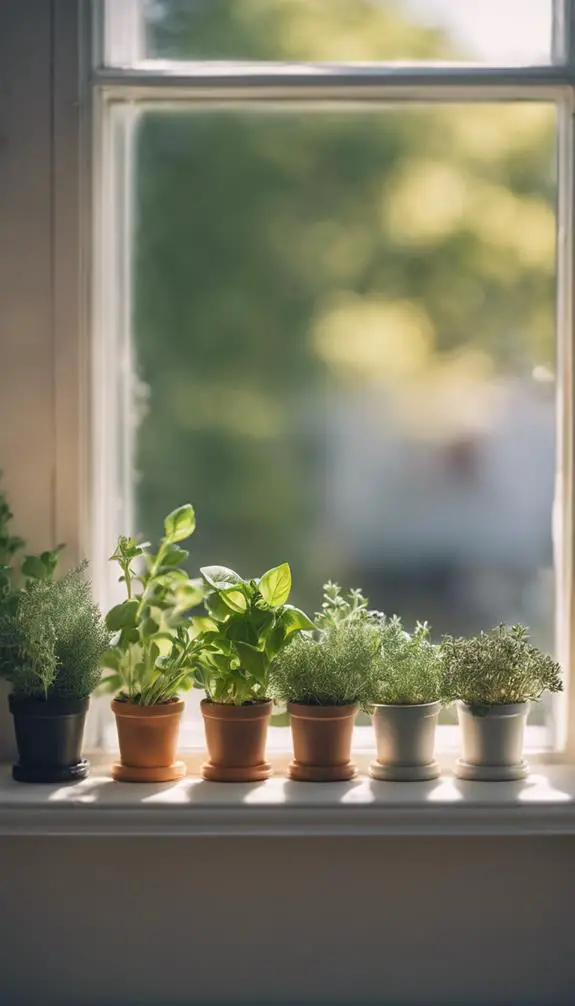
(344, 341)
(493, 31)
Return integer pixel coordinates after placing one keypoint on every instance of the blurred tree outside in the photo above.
(294, 267)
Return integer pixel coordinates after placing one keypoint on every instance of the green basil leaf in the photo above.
(201, 623)
(189, 595)
(122, 616)
(217, 608)
(275, 640)
(293, 620)
(180, 523)
(242, 630)
(174, 556)
(220, 577)
(149, 628)
(252, 660)
(275, 585)
(34, 568)
(234, 599)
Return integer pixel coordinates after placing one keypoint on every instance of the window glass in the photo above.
(344, 351)
(492, 31)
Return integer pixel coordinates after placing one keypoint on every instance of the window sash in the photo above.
(168, 84)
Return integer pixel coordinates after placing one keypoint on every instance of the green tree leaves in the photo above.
(296, 209)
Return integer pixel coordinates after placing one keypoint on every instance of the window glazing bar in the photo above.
(564, 514)
(336, 81)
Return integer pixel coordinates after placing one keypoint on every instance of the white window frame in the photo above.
(135, 81)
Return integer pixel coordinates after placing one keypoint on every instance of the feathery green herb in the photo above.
(53, 638)
(340, 665)
(497, 667)
(411, 670)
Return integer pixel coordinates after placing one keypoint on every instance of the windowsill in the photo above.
(543, 804)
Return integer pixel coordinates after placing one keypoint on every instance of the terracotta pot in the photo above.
(148, 737)
(236, 741)
(49, 737)
(322, 738)
(405, 738)
(492, 742)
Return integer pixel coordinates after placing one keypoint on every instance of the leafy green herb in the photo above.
(411, 665)
(497, 667)
(337, 666)
(248, 624)
(338, 608)
(33, 567)
(53, 639)
(156, 644)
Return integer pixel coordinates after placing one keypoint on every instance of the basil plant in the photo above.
(248, 623)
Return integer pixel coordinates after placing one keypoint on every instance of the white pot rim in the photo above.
(505, 709)
(406, 705)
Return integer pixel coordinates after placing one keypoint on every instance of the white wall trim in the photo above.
(543, 804)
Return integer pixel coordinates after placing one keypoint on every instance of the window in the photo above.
(325, 236)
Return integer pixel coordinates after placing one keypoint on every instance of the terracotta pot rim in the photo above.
(303, 711)
(160, 710)
(224, 711)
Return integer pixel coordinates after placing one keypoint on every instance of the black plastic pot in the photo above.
(49, 738)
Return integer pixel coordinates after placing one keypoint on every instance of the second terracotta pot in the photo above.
(148, 737)
(236, 741)
(322, 738)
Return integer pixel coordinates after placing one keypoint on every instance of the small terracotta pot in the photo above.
(148, 737)
(322, 738)
(236, 741)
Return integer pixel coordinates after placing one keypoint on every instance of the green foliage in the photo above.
(340, 609)
(33, 567)
(52, 640)
(10, 545)
(331, 30)
(340, 665)
(154, 647)
(436, 206)
(249, 623)
(497, 667)
(411, 670)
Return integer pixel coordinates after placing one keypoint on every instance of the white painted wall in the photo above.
(128, 921)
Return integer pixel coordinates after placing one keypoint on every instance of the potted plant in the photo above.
(494, 677)
(153, 652)
(407, 702)
(325, 678)
(249, 622)
(52, 638)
